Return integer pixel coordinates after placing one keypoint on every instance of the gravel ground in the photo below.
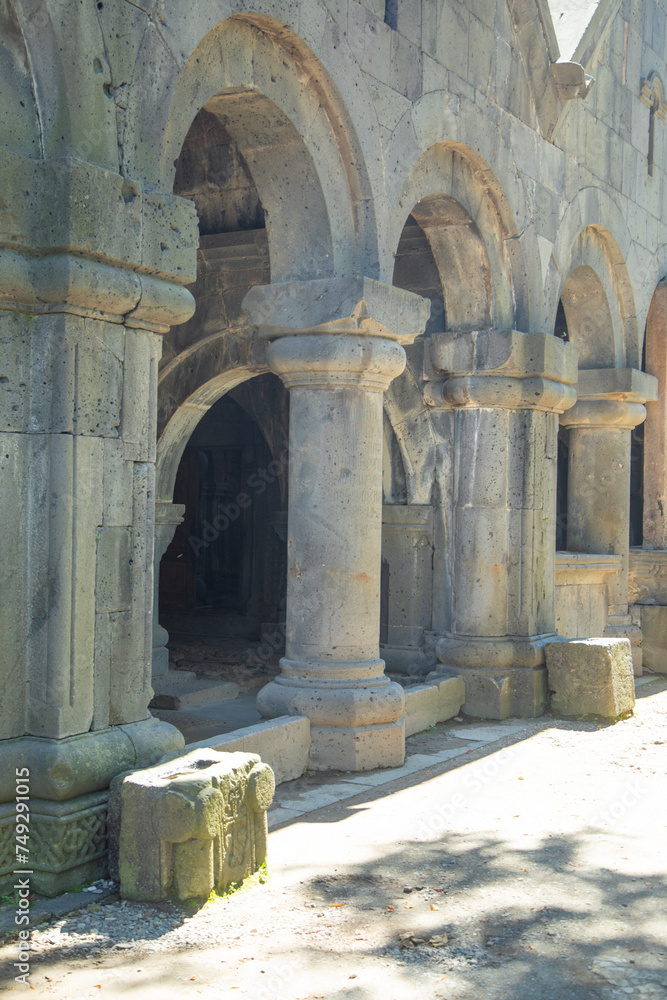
(532, 868)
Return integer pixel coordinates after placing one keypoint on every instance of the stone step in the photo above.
(178, 689)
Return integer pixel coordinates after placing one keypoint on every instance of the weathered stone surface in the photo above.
(582, 599)
(208, 824)
(591, 677)
(283, 743)
(654, 638)
(350, 164)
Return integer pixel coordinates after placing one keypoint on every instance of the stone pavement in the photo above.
(523, 860)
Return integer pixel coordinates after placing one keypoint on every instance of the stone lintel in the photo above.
(337, 305)
(626, 384)
(507, 353)
(63, 769)
(578, 568)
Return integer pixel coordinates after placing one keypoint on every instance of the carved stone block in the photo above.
(192, 824)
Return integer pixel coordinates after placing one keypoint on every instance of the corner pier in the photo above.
(336, 344)
(93, 273)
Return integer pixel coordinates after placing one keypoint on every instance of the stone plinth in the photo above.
(591, 677)
(207, 825)
(336, 345)
(507, 389)
(69, 782)
(582, 597)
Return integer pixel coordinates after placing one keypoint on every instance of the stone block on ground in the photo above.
(421, 708)
(591, 677)
(207, 825)
(451, 696)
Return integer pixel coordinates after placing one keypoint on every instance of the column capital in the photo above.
(503, 369)
(78, 239)
(611, 397)
(327, 306)
(340, 361)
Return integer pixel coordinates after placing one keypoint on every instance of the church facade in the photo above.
(341, 323)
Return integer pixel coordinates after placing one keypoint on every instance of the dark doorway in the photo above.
(224, 572)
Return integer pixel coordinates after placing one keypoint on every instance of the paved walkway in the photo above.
(524, 860)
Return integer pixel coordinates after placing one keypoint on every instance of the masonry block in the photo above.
(207, 825)
(591, 677)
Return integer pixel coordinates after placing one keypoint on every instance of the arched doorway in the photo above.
(223, 574)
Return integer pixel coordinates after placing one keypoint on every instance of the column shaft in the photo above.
(335, 344)
(507, 388)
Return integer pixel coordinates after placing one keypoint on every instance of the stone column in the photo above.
(507, 389)
(87, 285)
(610, 404)
(336, 344)
(168, 516)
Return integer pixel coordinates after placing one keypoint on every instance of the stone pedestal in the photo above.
(507, 389)
(609, 405)
(335, 344)
(208, 826)
(86, 288)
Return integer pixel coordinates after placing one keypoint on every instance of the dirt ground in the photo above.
(532, 867)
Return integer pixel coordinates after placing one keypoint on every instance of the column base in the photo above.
(67, 846)
(357, 748)
(69, 781)
(500, 693)
(504, 676)
(622, 627)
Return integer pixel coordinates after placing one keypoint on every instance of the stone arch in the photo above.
(459, 204)
(285, 114)
(181, 423)
(592, 245)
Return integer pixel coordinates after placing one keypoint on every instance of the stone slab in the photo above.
(591, 677)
